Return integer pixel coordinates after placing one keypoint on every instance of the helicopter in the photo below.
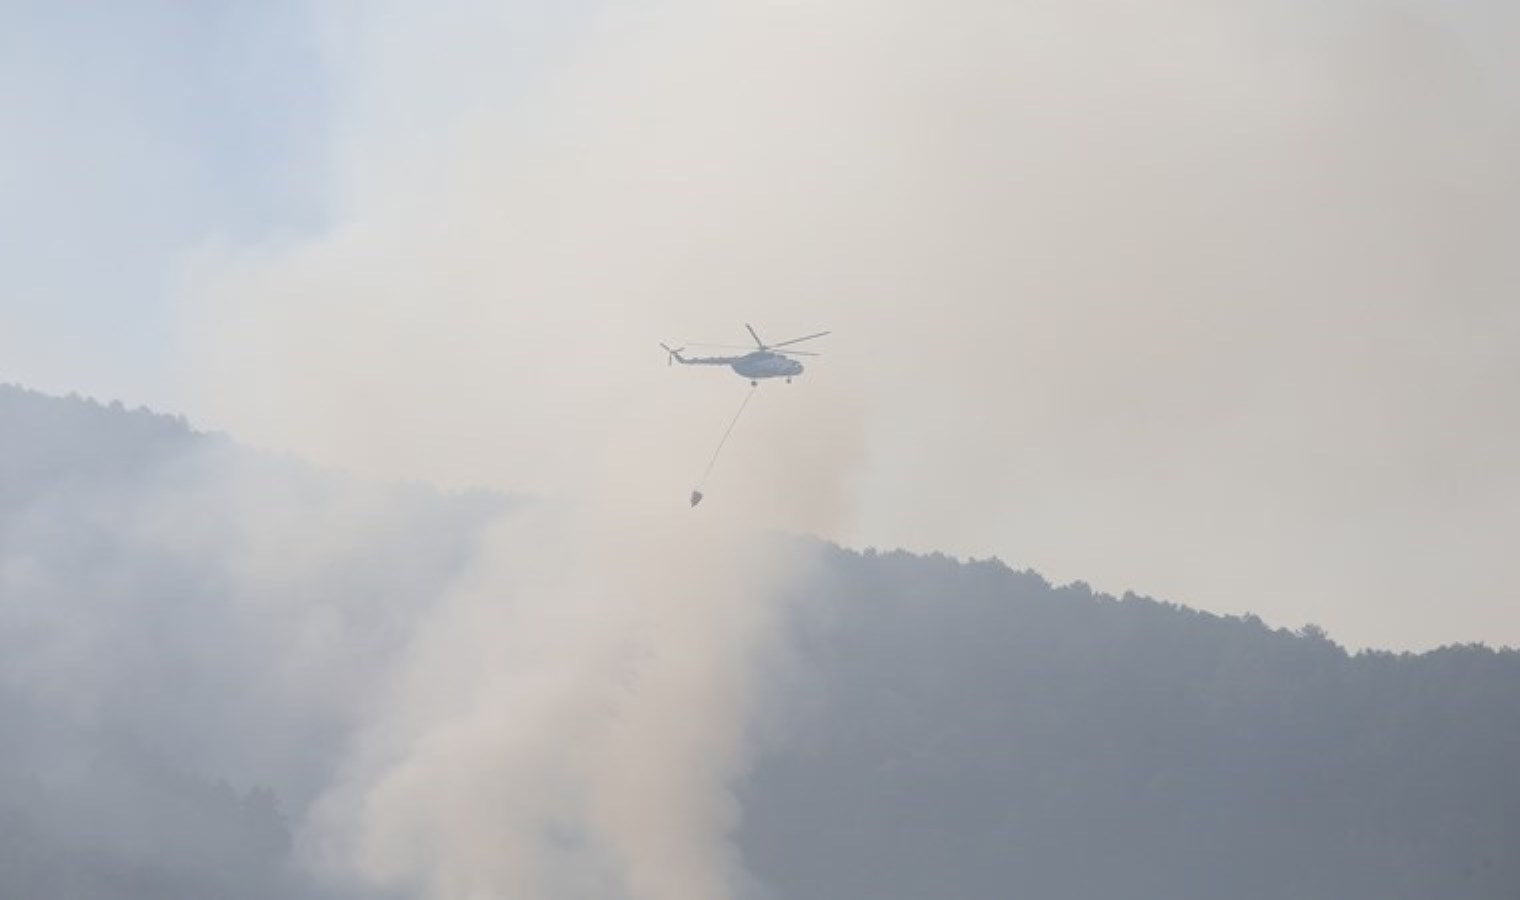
(765, 361)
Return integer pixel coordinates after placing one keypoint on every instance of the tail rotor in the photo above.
(672, 355)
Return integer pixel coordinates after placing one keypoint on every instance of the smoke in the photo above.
(452, 695)
(567, 722)
(1146, 297)
(1207, 301)
(1210, 301)
(566, 719)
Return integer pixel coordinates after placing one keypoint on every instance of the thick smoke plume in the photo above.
(566, 722)
(1152, 297)
(1155, 295)
(567, 718)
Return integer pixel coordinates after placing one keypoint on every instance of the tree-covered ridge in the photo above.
(92, 813)
(971, 731)
(188, 628)
(51, 442)
(185, 628)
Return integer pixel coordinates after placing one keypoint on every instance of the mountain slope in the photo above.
(187, 630)
(971, 731)
(190, 632)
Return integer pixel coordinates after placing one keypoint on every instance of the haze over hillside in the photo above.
(219, 674)
(1211, 302)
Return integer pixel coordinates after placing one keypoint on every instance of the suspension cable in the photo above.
(696, 495)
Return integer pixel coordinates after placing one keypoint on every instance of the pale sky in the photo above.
(1214, 302)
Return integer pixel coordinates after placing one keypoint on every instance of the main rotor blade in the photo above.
(795, 353)
(721, 346)
(759, 343)
(798, 340)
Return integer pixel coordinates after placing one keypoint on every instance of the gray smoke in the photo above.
(1212, 302)
(1148, 297)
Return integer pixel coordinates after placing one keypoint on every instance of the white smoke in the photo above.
(1147, 297)
(1195, 299)
(567, 722)
(567, 719)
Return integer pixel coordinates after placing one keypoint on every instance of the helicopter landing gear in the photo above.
(754, 383)
(788, 381)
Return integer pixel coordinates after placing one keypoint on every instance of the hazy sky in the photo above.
(1214, 302)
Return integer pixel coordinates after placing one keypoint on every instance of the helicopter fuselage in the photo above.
(765, 361)
(765, 364)
(754, 366)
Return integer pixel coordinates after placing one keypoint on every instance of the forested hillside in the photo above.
(963, 730)
(190, 630)
(187, 631)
